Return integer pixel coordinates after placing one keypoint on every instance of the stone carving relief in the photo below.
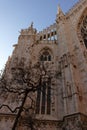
(17, 65)
(79, 91)
(72, 124)
(14, 62)
(22, 61)
(65, 60)
(69, 90)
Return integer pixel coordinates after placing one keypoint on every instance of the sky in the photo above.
(18, 14)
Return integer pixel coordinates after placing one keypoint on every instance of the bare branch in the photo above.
(13, 111)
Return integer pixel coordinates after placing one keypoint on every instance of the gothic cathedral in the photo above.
(59, 54)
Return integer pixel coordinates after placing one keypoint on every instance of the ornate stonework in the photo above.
(57, 54)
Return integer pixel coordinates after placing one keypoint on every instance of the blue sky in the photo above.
(18, 14)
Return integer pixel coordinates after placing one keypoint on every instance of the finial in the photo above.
(32, 24)
(59, 10)
(60, 15)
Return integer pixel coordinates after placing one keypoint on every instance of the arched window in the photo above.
(84, 30)
(45, 56)
(43, 100)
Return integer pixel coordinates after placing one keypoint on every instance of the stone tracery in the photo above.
(84, 30)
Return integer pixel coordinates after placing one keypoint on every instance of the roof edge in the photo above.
(74, 7)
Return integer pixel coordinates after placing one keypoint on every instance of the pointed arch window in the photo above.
(84, 30)
(45, 56)
(43, 100)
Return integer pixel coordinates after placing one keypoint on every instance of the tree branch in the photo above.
(13, 111)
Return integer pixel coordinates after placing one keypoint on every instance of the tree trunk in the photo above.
(20, 110)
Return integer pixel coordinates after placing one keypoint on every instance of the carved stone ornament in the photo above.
(72, 124)
(69, 90)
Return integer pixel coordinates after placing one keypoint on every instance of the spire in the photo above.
(60, 14)
(59, 11)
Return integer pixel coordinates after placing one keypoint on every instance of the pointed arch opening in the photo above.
(45, 55)
(82, 28)
(43, 99)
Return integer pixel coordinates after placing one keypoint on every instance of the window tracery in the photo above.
(43, 100)
(84, 30)
(45, 56)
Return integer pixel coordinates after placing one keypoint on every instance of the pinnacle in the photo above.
(59, 11)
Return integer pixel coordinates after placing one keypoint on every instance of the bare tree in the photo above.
(23, 82)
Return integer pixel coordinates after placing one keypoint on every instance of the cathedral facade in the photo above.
(62, 49)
